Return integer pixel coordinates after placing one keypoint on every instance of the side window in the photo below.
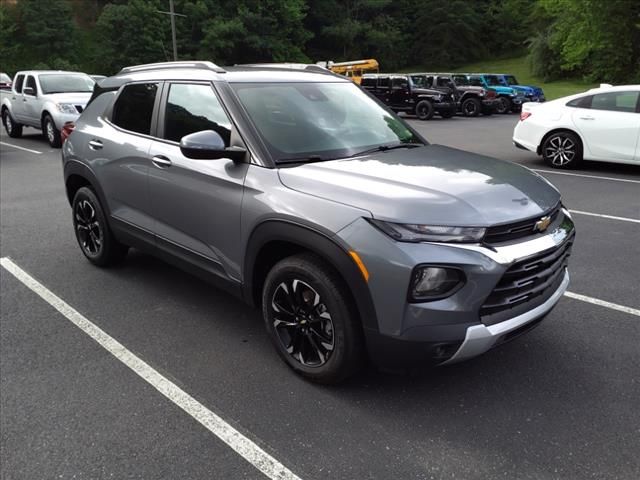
(582, 102)
(193, 108)
(399, 83)
(19, 82)
(134, 107)
(383, 82)
(443, 82)
(368, 82)
(31, 83)
(615, 101)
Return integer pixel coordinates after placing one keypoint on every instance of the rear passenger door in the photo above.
(30, 103)
(118, 152)
(17, 107)
(196, 204)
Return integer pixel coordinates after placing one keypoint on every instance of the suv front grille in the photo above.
(536, 277)
(513, 231)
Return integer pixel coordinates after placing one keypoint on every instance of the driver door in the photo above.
(195, 204)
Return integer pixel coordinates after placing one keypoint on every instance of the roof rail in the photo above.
(203, 65)
(310, 67)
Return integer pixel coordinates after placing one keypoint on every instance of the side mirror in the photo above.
(208, 145)
(29, 91)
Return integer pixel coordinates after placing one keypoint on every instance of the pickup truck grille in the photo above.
(513, 231)
(527, 280)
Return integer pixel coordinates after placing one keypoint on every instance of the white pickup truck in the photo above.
(45, 99)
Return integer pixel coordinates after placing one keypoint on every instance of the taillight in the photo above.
(67, 128)
(524, 115)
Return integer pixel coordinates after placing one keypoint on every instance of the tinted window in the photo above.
(19, 82)
(193, 108)
(615, 101)
(444, 82)
(419, 81)
(31, 82)
(383, 82)
(368, 82)
(582, 102)
(475, 81)
(134, 108)
(399, 82)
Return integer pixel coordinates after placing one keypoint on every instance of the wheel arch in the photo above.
(273, 240)
(557, 130)
(78, 175)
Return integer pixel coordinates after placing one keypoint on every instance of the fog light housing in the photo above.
(434, 282)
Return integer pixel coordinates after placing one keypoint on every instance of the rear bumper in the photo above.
(480, 338)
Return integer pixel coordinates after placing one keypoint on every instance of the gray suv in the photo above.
(302, 194)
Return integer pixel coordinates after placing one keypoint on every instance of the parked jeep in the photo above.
(399, 93)
(531, 92)
(511, 99)
(470, 101)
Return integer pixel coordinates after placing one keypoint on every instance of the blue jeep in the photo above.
(531, 92)
(511, 98)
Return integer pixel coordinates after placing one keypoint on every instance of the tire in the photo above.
(504, 106)
(562, 150)
(50, 131)
(304, 302)
(424, 110)
(92, 231)
(471, 107)
(13, 128)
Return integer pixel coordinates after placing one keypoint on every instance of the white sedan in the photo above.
(601, 124)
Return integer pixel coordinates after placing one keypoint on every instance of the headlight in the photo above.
(430, 233)
(513, 94)
(67, 107)
(434, 282)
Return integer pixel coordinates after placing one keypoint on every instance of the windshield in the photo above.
(319, 121)
(4, 78)
(461, 80)
(493, 80)
(65, 82)
(511, 80)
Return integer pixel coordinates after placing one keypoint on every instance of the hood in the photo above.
(523, 88)
(77, 98)
(434, 185)
(503, 90)
(426, 91)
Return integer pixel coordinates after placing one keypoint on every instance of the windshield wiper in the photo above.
(384, 148)
(309, 159)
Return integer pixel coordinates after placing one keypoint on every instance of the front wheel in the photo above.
(311, 319)
(14, 129)
(504, 105)
(424, 110)
(471, 107)
(562, 150)
(51, 132)
(92, 230)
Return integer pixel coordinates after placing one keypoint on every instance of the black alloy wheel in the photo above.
(503, 106)
(562, 150)
(471, 107)
(424, 110)
(312, 320)
(92, 231)
(302, 322)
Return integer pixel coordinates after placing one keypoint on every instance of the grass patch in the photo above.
(520, 68)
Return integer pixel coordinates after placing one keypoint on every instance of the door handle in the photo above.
(24, 99)
(588, 117)
(161, 161)
(95, 144)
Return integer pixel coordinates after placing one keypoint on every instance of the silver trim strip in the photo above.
(480, 338)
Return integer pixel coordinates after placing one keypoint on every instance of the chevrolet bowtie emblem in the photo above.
(542, 224)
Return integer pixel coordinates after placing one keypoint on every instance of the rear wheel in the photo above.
(504, 105)
(92, 230)
(14, 129)
(471, 107)
(562, 150)
(311, 319)
(51, 132)
(424, 110)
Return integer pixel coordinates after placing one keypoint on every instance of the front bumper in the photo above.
(450, 329)
(59, 118)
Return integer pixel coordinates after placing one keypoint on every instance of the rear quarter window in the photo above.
(582, 102)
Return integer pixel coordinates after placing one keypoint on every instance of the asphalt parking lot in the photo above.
(559, 403)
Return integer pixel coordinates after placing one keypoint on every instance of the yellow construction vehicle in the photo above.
(353, 69)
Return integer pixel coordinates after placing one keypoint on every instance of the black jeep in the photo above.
(399, 93)
(471, 100)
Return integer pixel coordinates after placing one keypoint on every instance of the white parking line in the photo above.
(587, 176)
(603, 303)
(610, 217)
(20, 148)
(245, 447)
